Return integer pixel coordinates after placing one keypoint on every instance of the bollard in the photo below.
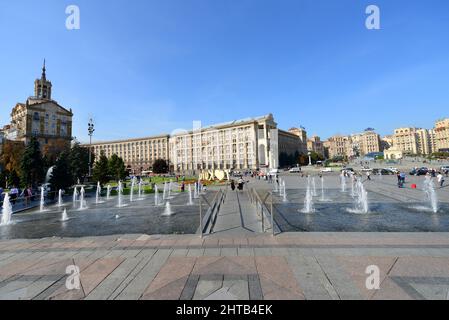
(272, 215)
(201, 219)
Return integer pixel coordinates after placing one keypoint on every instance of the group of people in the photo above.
(16, 193)
(240, 184)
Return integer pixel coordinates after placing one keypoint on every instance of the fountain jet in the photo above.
(6, 211)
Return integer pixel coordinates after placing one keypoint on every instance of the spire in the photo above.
(43, 72)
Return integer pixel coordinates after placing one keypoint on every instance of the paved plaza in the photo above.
(237, 261)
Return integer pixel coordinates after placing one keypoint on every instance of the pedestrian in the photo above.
(440, 178)
(14, 193)
(368, 175)
(232, 185)
(183, 187)
(240, 184)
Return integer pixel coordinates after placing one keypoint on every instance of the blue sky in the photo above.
(144, 67)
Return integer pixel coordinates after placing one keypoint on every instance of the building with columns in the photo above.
(242, 144)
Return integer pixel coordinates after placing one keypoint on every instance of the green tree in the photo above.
(13, 178)
(160, 166)
(32, 164)
(101, 169)
(79, 162)
(117, 167)
(62, 176)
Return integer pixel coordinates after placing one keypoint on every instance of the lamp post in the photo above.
(310, 158)
(91, 131)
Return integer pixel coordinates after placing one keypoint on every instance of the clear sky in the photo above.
(144, 67)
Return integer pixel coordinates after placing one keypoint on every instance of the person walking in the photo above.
(440, 178)
(240, 184)
(368, 175)
(232, 185)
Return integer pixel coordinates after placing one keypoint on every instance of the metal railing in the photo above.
(264, 209)
(208, 219)
(21, 203)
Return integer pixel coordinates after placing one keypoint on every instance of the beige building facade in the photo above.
(40, 116)
(138, 154)
(366, 142)
(412, 140)
(315, 144)
(441, 135)
(242, 144)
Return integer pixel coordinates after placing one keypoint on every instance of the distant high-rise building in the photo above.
(412, 140)
(315, 144)
(441, 135)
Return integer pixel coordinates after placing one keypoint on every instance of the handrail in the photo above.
(207, 221)
(265, 213)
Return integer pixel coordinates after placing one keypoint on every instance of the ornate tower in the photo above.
(42, 87)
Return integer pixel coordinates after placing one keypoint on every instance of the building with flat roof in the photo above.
(138, 154)
(242, 144)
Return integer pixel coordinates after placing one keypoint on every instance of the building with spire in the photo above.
(40, 116)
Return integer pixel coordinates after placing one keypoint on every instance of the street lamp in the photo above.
(91, 131)
(310, 158)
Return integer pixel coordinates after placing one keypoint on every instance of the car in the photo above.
(326, 170)
(384, 172)
(445, 168)
(395, 170)
(367, 170)
(419, 171)
(295, 170)
(274, 171)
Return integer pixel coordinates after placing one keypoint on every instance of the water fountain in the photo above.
(75, 196)
(60, 202)
(284, 192)
(308, 201)
(108, 193)
(6, 211)
(42, 203)
(131, 195)
(98, 194)
(314, 193)
(164, 195)
(353, 182)
(82, 201)
(119, 193)
(190, 195)
(323, 191)
(167, 211)
(140, 190)
(156, 195)
(170, 186)
(196, 196)
(360, 199)
(343, 182)
(431, 195)
(64, 217)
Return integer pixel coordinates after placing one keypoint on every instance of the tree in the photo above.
(101, 169)
(13, 178)
(32, 164)
(11, 155)
(62, 176)
(160, 166)
(117, 167)
(54, 148)
(79, 162)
